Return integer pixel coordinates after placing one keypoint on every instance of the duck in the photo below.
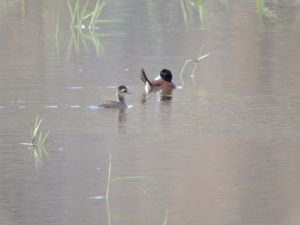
(165, 83)
(120, 102)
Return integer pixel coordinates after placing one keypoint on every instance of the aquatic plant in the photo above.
(38, 139)
(166, 218)
(189, 6)
(38, 153)
(81, 18)
(110, 180)
(78, 38)
(57, 28)
(264, 11)
(34, 130)
(195, 61)
(84, 26)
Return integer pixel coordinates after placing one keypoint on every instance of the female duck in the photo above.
(120, 102)
(165, 83)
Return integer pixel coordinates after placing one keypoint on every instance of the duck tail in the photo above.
(144, 77)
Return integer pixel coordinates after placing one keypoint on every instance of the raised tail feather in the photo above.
(144, 77)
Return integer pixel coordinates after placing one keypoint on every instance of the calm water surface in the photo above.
(222, 149)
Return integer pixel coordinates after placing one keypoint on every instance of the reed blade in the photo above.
(126, 178)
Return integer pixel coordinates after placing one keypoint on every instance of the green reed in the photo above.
(78, 38)
(262, 10)
(57, 28)
(110, 180)
(166, 218)
(84, 24)
(189, 6)
(38, 153)
(38, 139)
(80, 17)
(35, 129)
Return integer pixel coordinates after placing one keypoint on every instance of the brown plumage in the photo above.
(120, 102)
(165, 83)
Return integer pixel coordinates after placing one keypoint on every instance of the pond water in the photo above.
(221, 149)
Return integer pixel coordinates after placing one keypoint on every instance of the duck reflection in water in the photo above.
(120, 105)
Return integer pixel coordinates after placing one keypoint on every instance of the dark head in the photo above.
(166, 75)
(122, 90)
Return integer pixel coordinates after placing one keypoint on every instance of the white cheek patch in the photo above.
(122, 94)
(158, 77)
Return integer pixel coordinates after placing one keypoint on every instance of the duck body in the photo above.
(165, 83)
(120, 102)
(113, 104)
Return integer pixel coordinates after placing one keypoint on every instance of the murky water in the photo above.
(222, 149)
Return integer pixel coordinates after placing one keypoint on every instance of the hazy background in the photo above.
(222, 149)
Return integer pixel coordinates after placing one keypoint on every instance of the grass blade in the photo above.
(72, 13)
(109, 21)
(83, 11)
(166, 217)
(126, 178)
(108, 177)
(40, 137)
(44, 138)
